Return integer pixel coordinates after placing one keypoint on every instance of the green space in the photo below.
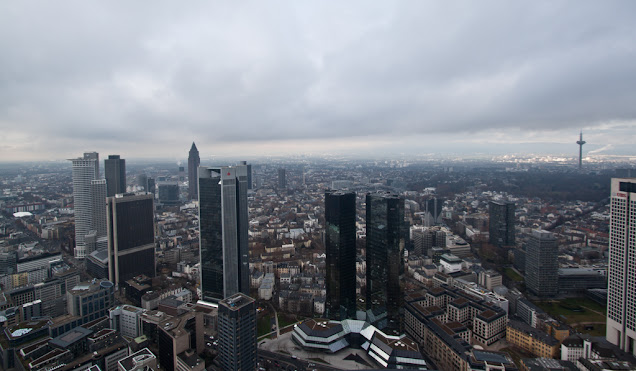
(514, 276)
(284, 321)
(263, 325)
(583, 314)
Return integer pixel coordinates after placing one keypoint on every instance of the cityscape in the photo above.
(318, 186)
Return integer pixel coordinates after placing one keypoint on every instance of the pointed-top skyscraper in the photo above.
(193, 164)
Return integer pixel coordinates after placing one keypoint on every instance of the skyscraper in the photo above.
(115, 174)
(282, 182)
(340, 247)
(385, 254)
(223, 232)
(193, 164)
(249, 173)
(621, 291)
(502, 223)
(237, 333)
(131, 236)
(85, 170)
(542, 264)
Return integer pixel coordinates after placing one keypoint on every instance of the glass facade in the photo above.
(340, 246)
(115, 173)
(502, 223)
(223, 231)
(385, 260)
(542, 264)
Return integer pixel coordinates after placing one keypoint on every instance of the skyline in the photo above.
(282, 78)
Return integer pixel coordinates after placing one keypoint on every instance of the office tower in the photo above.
(282, 182)
(115, 174)
(621, 291)
(237, 333)
(385, 252)
(193, 164)
(151, 186)
(98, 207)
(85, 170)
(142, 181)
(502, 223)
(542, 265)
(223, 232)
(433, 211)
(181, 173)
(131, 236)
(340, 247)
(580, 142)
(169, 193)
(249, 173)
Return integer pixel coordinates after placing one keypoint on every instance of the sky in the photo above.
(145, 79)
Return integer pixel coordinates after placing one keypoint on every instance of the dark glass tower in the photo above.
(193, 164)
(223, 232)
(115, 173)
(385, 255)
(542, 264)
(340, 246)
(131, 236)
(237, 333)
(282, 181)
(502, 223)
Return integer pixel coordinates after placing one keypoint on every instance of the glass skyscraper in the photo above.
(223, 232)
(385, 260)
(115, 173)
(502, 223)
(340, 247)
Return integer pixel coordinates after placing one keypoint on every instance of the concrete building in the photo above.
(621, 295)
(531, 339)
(237, 333)
(542, 265)
(178, 335)
(85, 170)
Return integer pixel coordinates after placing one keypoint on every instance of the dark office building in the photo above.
(385, 252)
(115, 173)
(433, 208)
(142, 181)
(282, 182)
(169, 193)
(223, 232)
(237, 333)
(542, 265)
(131, 236)
(151, 186)
(340, 247)
(249, 174)
(502, 223)
(193, 164)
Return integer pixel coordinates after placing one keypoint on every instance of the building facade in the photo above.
(115, 174)
(385, 255)
(131, 236)
(223, 237)
(621, 291)
(237, 333)
(542, 265)
(502, 223)
(282, 180)
(340, 248)
(85, 170)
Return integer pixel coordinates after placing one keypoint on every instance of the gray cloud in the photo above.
(77, 75)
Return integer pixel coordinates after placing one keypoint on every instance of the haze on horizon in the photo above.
(271, 78)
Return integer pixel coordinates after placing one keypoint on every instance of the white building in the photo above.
(85, 170)
(127, 320)
(621, 291)
(450, 263)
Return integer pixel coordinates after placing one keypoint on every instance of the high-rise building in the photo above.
(237, 333)
(131, 236)
(542, 265)
(85, 170)
(502, 223)
(223, 233)
(142, 181)
(385, 255)
(193, 164)
(169, 193)
(115, 174)
(249, 173)
(340, 248)
(282, 182)
(621, 291)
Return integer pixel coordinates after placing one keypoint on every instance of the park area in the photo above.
(582, 314)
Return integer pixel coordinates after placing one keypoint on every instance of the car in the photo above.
(294, 357)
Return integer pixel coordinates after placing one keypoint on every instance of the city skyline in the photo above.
(358, 78)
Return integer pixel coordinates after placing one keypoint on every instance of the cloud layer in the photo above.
(146, 78)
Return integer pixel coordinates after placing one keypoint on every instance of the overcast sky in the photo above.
(146, 78)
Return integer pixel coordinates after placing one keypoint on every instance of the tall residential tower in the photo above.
(340, 248)
(621, 291)
(223, 233)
